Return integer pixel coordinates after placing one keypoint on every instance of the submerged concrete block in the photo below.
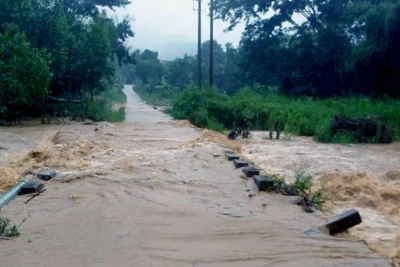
(46, 174)
(31, 187)
(251, 171)
(232, 156)
(264, 182)
(341, 222)
(240, 163)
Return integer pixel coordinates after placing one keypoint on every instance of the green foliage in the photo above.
(3, 224)
(302, 183)
(279, 181)
(318, 48)
(6, 229)
(102, 107)
(160, 82)
(215, 126)
(300, 116)
(199, 118)
(80, 43)
(24, 71)
(12, 231)
(149, 68)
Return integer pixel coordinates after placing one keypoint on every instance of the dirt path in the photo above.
(149, 192)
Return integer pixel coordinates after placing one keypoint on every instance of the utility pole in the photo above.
(211, 43)
(199, 46)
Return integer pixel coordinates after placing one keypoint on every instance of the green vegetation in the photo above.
(305, 62)
(103, 107)
(24, 71)
(57, 49)
(158, 83)
(156, 97)
(302, 116)
(303, 184)
(6, 229)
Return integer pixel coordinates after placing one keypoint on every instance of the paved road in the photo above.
(137, 111)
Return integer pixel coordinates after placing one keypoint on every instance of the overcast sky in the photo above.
(170, 27)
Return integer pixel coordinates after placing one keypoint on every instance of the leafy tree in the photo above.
(149, 67)
(317, 47)
(24, 71)
(181, 72)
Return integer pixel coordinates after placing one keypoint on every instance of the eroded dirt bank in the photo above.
(155, 193)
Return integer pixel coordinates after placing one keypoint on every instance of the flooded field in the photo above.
(157, 192)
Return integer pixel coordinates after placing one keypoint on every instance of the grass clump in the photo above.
(6, 229)
(309, 199)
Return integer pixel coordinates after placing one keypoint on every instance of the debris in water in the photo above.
(287, 190)
(341, 222)
(46, 174)
(35, 195)
(363, 130)
(305, 203)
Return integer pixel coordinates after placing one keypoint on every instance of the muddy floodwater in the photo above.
(156, 192)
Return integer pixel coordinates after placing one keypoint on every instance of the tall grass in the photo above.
(303, 116)
(160, 95)
(101, 109)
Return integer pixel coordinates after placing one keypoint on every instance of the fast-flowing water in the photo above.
(152, 192)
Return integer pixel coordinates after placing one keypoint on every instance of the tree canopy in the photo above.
(74, 40)
(318, 47)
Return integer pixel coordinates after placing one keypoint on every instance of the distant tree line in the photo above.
(155, 76)
(320, 48)
(58, 48)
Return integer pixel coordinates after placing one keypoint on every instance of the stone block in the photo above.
(240, 163)
(251, 171)
(232, 156)
(342, 222)
(264, 182)
(31, 188)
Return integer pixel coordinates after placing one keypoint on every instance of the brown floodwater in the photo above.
(154, 192)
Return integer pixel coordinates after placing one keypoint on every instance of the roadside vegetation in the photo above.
(302, 116)
(54, 54)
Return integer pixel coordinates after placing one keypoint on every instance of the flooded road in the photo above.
(137, 111)
(153, 192)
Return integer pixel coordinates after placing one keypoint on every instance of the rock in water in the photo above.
(341, 222)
